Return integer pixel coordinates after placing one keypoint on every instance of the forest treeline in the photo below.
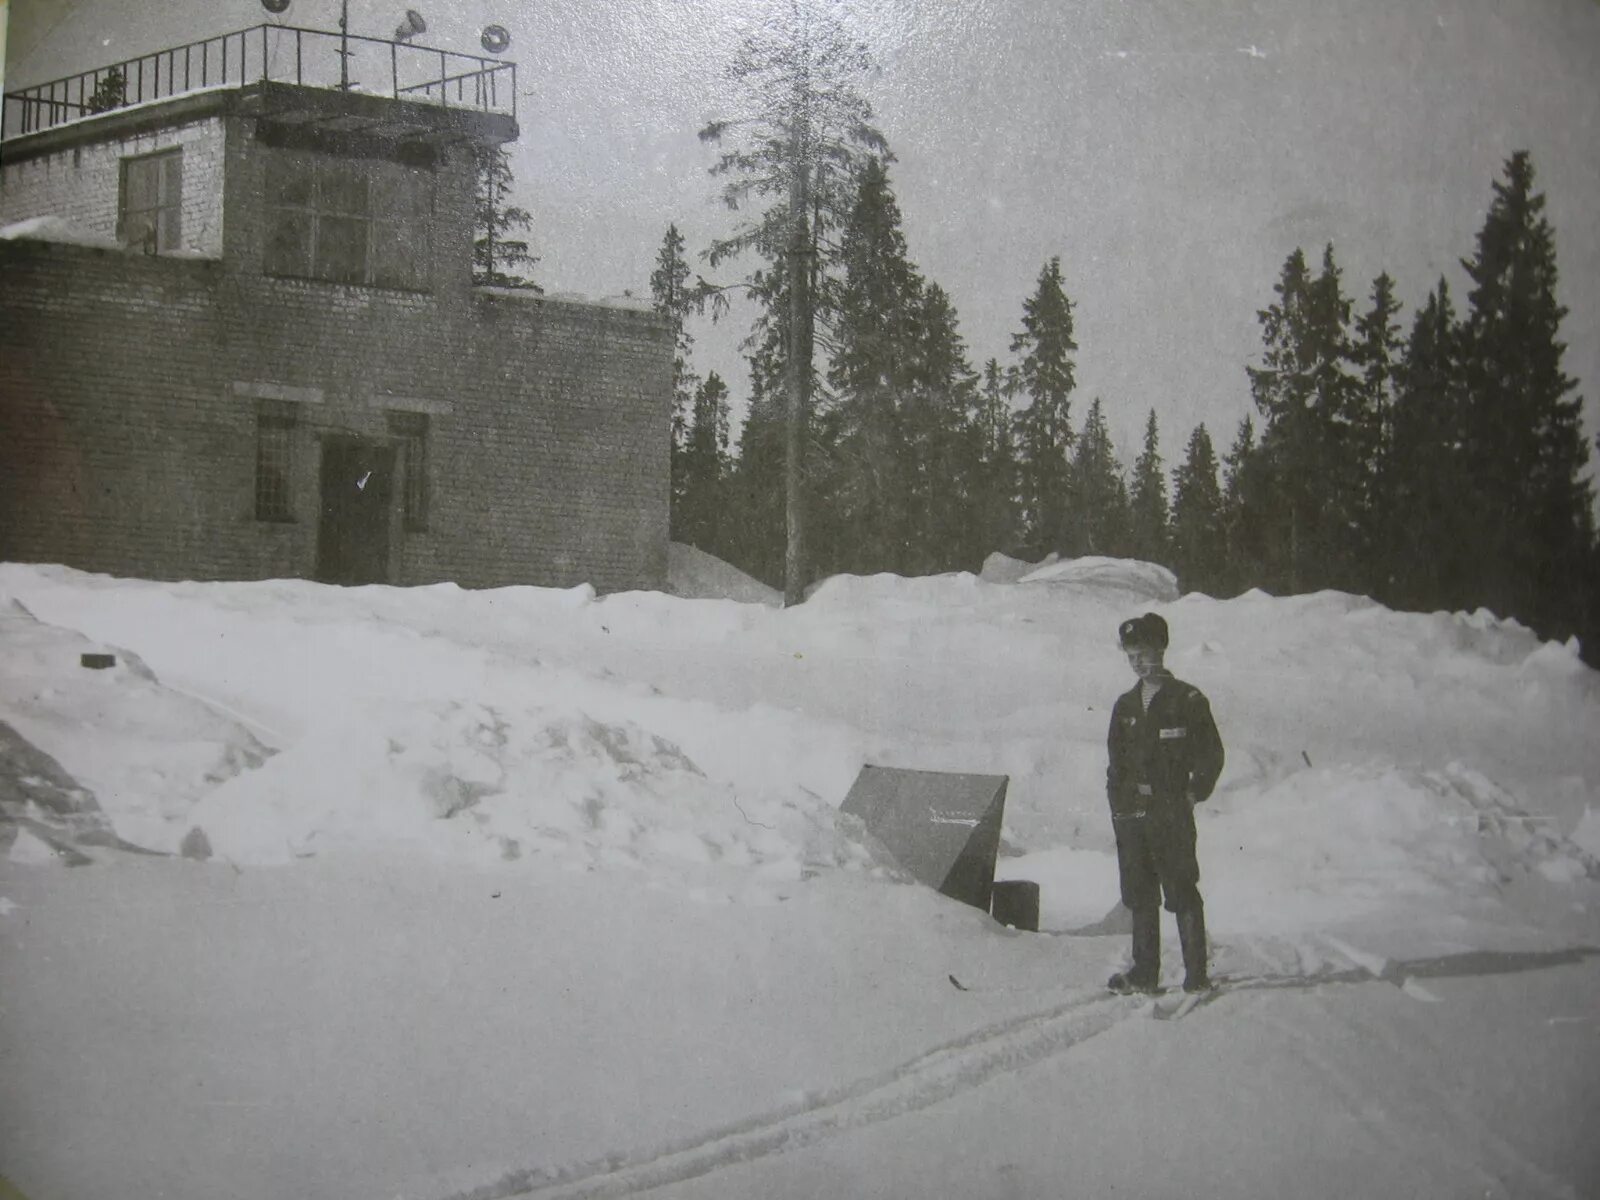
(1435, 461)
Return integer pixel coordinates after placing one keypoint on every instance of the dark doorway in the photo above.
(353, 534)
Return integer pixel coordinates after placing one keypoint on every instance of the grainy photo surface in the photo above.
(792, 598)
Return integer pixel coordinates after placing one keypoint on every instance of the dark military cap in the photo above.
(1148, 630)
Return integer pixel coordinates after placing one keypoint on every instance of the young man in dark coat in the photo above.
(1165, 756)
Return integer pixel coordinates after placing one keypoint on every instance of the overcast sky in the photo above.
(1171, 153)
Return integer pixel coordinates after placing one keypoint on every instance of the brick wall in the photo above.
(80, 183)
(127, 444)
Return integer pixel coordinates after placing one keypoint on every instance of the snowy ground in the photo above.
(482, 894)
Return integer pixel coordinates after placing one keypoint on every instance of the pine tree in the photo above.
(1045, 376)
(1198, 536)
(1096, 521)
(669, 286)
(797, 147)
(1149, 534)
(1524, 444)
(498, 258)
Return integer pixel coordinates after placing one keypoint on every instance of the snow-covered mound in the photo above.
(476, 781)
(1002, 568)
(142, 753)
(692, 574)
(1124, 580)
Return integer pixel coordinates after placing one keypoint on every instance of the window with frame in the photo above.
(354, 221)
(150, 201)
(275, 425)
(412, 430)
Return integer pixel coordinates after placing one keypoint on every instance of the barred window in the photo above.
(348, 221)
(412, 430)
(150, 201)
(275, 422)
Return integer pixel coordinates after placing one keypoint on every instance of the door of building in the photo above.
(353, 532)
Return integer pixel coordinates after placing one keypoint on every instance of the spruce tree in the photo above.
(499, 257)
(1524, 442)
(875, 449)
(1248, 511)
(1433, 541)
(1149, 535)
(1198, 536)
(1310, 445)
(110, 91)
(942, 479)
(669, 286)
(705, 467)
(1045, 378)
(1096, 518)
(803, 134)
(995, 490)
(751, 531)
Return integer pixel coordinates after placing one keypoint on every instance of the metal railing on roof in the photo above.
(269, 53)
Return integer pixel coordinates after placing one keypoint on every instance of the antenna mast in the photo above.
(344, 45)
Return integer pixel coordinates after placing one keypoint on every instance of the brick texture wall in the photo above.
(81, 183)
(130, 385)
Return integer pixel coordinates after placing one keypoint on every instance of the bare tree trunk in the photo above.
(1294, 548)
(798, 367)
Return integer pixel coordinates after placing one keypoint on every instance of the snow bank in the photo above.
(143, 753)
(481, 782)
(1329, 843)
(1002, 568)
(692, 574)
(1122, 581)
(1370, 753)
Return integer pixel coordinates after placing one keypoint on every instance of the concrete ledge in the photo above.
(413, 404)
(276, 391)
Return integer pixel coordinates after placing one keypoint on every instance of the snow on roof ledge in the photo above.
(56, 229)
(631, 303)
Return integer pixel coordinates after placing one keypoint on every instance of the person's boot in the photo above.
(1145, 974)
(1192, 934)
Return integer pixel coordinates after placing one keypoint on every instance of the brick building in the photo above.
(239, 338)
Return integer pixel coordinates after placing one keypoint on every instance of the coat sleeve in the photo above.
(1206, 742)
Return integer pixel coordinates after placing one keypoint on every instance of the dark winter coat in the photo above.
(1160, 758)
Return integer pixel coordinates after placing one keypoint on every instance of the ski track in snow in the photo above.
(931, 1077)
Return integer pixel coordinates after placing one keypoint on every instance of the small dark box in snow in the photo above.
(1015, 902)
(99, 662)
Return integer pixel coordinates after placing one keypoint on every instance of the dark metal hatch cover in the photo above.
(943, 828)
